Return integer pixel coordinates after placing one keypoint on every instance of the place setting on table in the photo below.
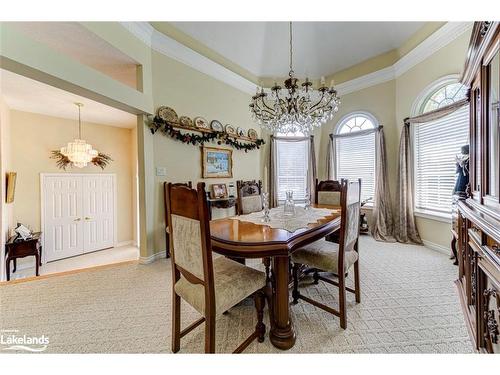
(274, 233)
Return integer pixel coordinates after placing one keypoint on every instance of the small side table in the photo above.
(18, 248)
(221, 203)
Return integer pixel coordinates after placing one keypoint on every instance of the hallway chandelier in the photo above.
(294, 109)
(79, 152)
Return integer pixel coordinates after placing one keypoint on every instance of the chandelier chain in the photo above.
(291, 50)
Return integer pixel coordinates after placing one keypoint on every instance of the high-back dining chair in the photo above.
(249, 196)
(250, 200)
(167, 231)
(328, 192)
(211, 285)
(335, 258)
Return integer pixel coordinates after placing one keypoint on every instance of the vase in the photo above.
(265, 202)
(289, 207)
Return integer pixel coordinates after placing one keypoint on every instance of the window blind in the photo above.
(356, 159)
(436, 144)
(292, 166)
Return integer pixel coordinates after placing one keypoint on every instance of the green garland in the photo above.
(196, 139)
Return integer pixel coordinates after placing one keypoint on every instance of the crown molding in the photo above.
(442, 37)
(368, 80)
(169, 47)
(141, 30)
(177, 51)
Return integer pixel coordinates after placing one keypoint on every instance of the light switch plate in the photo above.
(161, 171)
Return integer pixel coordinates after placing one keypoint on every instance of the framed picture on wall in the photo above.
(11, 187)
(217, 162)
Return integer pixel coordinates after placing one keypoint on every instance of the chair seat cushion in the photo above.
(233, 282)
(324, 255)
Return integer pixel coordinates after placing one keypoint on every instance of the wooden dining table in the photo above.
(240, 239)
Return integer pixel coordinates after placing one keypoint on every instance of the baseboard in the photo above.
(152, 258)
(125, 243)
(434, 246)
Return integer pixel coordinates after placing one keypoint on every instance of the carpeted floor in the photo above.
(409, 305)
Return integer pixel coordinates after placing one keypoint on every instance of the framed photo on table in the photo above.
(217, 162)
(219, 191)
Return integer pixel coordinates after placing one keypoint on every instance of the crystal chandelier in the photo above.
(295, 109)
(79, 152)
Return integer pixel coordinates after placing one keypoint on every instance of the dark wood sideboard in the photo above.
(477, 221)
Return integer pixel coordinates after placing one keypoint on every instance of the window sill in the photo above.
(368, 206)
(444, 218)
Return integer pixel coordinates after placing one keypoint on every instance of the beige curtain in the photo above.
(382, 228)
(273, 174)
(405, 228)
(311, 171)
(331, 157)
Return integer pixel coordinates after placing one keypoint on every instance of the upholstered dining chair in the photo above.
(328, 192)
(250, 200)
(211, 285)
(249, 196)
(167, 231)
(333, 258)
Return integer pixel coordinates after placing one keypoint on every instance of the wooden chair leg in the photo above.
(267, 265)
(295, 292)
(210, 334)
(357, 287)
(316, 277)
(342, 301)
(260, 328)
(176, 323)
(167, 245)
(15, 265)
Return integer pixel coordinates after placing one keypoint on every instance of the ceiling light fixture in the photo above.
(299, 109)
(79, 152)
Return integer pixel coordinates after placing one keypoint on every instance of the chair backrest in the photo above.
(249, 196)
(350, 202)
(328, 192)
(189, 223)
(188, 184)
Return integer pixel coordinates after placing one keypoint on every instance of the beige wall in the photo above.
(390, 103)
(5, 166)
(33, 136)
(192, 94)
(446, 61)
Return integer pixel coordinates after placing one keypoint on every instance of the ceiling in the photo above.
(24, 94)
(82, 45)
(319, 48)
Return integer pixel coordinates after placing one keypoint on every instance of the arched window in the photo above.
(355, 156)
(436, 144)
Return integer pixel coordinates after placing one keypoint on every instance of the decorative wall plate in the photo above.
(167, 114)
(252, 134)
(240, 132)
(201, 123)
(186, 121)
(216, 125)
(230, 130)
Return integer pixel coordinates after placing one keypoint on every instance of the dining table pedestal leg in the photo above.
(282, 334)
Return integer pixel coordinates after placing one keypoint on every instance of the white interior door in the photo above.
(63, 224)
(98, 212)
(78, 214)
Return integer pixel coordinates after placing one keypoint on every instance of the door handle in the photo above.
(88, 218)
(77, 219)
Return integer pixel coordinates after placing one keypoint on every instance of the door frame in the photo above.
(42, 204)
